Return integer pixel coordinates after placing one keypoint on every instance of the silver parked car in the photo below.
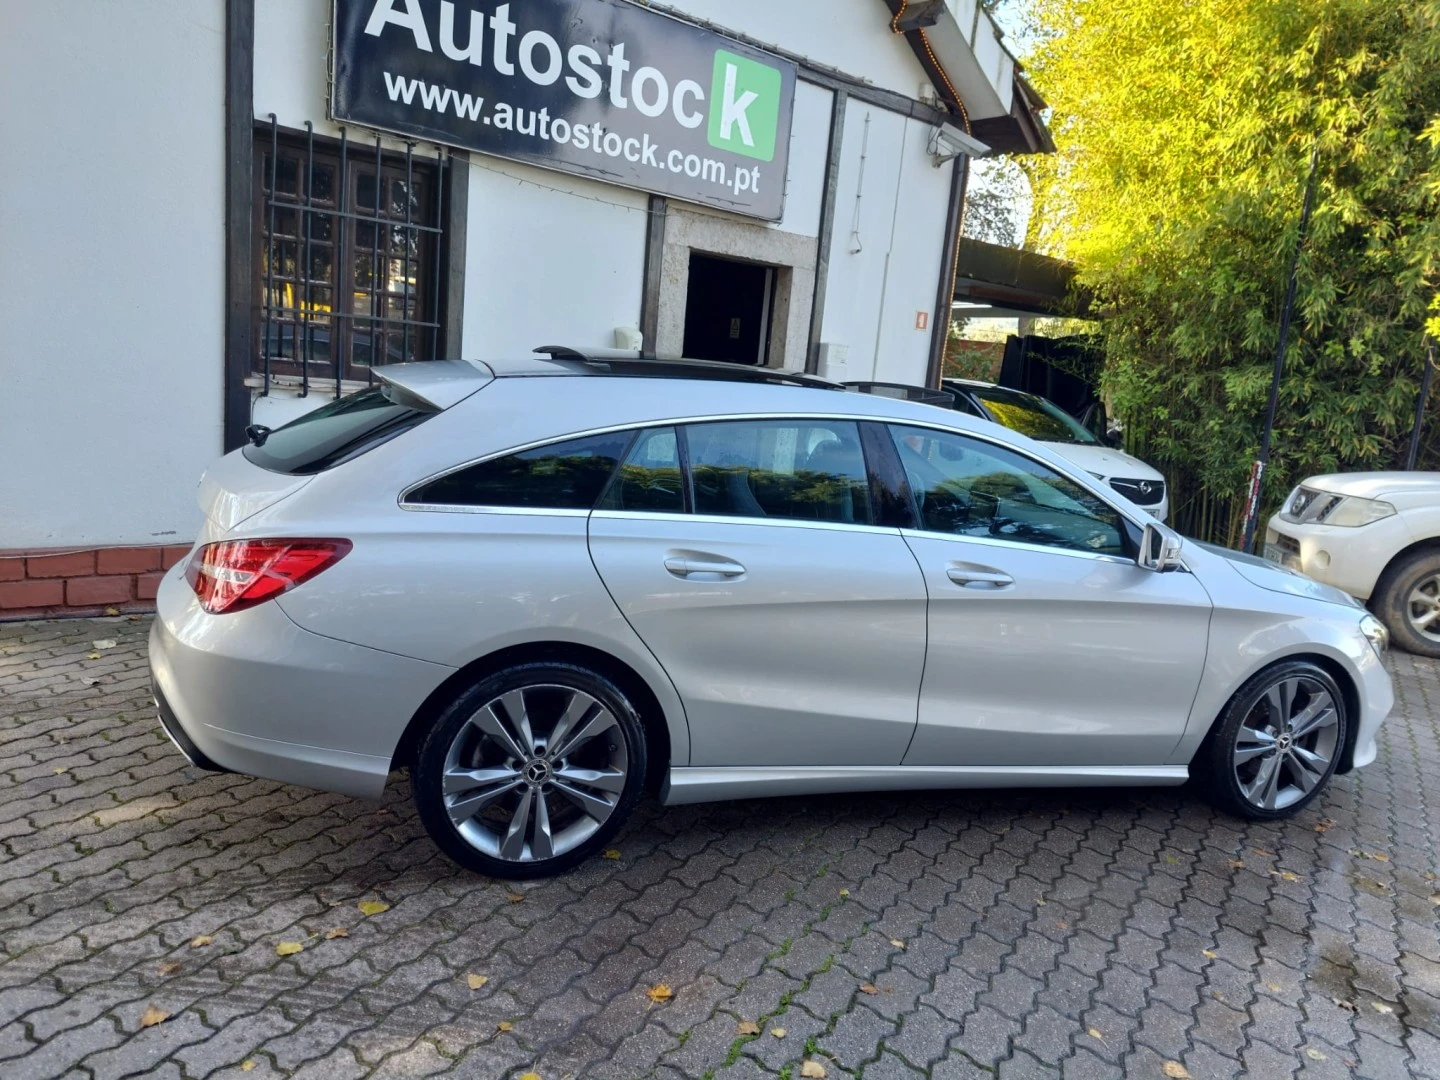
(550, 585)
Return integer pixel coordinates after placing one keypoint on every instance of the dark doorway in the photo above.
(727, 310)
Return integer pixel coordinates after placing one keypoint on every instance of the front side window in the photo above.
(562, 476)
(968, 487)
(808, 470)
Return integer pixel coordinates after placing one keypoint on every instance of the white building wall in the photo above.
(550, 260)
(111, 282)
(852, 36)
(890, 208)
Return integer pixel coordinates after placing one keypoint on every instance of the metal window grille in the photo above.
(350, 257)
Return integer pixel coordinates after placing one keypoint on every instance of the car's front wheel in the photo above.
(1276, 745)
(531, 770)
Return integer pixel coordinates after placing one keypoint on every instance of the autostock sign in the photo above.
(602, 88)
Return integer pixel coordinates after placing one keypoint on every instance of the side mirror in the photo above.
(1159, 548)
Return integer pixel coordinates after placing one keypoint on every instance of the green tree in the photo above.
(1185, 132)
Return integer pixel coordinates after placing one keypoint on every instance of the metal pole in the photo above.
(1257, 474)
(1414, 453)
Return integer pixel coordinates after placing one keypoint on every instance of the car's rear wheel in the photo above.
(1276, 745)
(531, 770)
(1407, 600)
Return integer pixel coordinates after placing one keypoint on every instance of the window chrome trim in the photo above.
(520, 511)
(1084, 479)
(1045, 549)
(725, 519)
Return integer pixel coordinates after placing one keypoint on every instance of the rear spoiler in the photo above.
(436, 384)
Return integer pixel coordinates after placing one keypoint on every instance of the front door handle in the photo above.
(689, 566)
(978, 577)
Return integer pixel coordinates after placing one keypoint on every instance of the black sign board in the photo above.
(602, 88)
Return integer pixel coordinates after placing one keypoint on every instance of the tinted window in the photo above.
(1033, 416)
(650, 478)
(562, 476)
(336, 432)
(972, 488)
(812, 470)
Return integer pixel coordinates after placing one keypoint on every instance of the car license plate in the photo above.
(1280, 557)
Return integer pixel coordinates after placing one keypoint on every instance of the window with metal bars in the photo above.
(348, 257)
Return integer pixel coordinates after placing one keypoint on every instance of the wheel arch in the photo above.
(634, 685)
(1349, 690)
(1429, 544)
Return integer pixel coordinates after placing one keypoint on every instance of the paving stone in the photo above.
(109, 869)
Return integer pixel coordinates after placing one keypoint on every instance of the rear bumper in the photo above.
(251, 692)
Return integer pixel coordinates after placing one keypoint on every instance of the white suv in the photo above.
(1376, 536)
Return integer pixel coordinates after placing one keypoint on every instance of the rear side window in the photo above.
(337, 432)
(561, 476)
(808, 470)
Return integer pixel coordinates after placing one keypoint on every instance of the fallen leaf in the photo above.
(812, 1070)
(199, 941)
(659, 992)
(1435, 899)
(530, 1076)
(1094, 1033)
(372, 907)
(779, 1033)
(1236, 864)
(1263, 852)
(897, 943)
(92, 656)
(133, 618)
(610, 853)
(515, 897)
(747, 1027)
(1175, 1070)
(475, 982)
(1172, 859)
(869, 988)
(112, 611)
(1324, 825)
(1287, 875)
(152, 1016)
(1040, 902)
(1061, 924)
(1378, 857)
(504, 1025)
(62, 769)
(1348, 1006)
(104, 643)
(1314, 1055)
(1209, 954)
(1274, 988)
(168, 967)
(288, 948)
(1381, 1007)
(339, 931)
(248, 1065)
(1430, 875)
(844, 892)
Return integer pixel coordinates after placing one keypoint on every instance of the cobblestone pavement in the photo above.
(941, 935)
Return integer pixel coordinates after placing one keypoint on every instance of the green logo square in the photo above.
(744, 106)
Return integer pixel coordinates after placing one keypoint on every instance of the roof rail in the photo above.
(636, 365)
(925, 395)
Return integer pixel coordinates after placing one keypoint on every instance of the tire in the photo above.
(1232, 766)
(1401, 599)
(573, 795)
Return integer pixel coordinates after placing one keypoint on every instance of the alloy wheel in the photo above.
(1286, 743)
(1422, 607)
(534, 773)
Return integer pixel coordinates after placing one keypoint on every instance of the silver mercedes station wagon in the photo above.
(550, 586)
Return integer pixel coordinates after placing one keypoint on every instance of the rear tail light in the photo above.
(237, 574)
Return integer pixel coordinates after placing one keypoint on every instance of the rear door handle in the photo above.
(689, 566)
(979, 577)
